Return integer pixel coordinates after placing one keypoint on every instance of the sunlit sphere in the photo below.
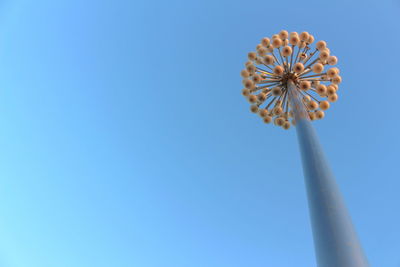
(251, 56)
(321, 89)
(311, 115)
(310, 39)
(324, 105)
(298, 67)
(256, 78)
(278, 70)
(319, 114)
(262, 51)
(269, 60)
(321, 45)
(251, 68)
(312, 105)
(332, 60)
(277, 42)
(294, 39)
(277, 110)
(333, 98)
(286, 125)
(252, 98)
(330, 90)
(315, 83)
(337, 79)
(245, 92)
(324, 54)
(305, 85)
(249, 84)
(283, 34)
(304, 36)
(332, 72)
(279, 121)
(265, 41)
(263, 113)
(262, 96)
(286, 51)
(318, 68)
(267, 119)
(254, 108)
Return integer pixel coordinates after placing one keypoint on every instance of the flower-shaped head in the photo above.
(285, 66)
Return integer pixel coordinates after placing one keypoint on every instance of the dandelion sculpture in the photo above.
(289, 83)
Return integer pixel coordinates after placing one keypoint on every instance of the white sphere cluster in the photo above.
(290, 57)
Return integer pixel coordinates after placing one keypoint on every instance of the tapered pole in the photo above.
(335, 240)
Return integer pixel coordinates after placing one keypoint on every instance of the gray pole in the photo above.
(335, 240)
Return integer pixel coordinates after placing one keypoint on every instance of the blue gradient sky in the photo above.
(125, 140)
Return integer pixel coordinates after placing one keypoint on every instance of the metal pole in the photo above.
(335, 240)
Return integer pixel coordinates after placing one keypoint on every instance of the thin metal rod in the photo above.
(335, 240)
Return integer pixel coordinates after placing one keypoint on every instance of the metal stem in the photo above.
(335, 240)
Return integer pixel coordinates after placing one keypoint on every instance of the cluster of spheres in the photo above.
(290, 58)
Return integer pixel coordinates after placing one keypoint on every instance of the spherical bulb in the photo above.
(324, 105)
(279, 121)
(324, 54)
(245, 92)
(283, 34)
(286, 125)
(307, 98)
(330, 90)
(278, 70)
(298, 67)
(254, 108)
(252, 98)
(311, 115)
(286, 51)
(270, 48)
(263, 113)
(277, 110)
(293, 33)
(262, 96)
(251, 68)
(262, 51)
(303, 56)
(333, 98)
(269, 60)
(267, 119)
(265, 41)
(248, 63)
(318, 68)
(335, 85)
(321, 45)
(245, 73)
(321, 89)
(258, 46)
(256, 78)
(337, 79)
(304, 36)
(312, 105)
(332, 72)
(252, 56)
(319, 114)
(332, 60)
(249, 84)
(305, 85)
(294, 39)
(275, 36)
(310, 39)
(277, 42)
(276, 91)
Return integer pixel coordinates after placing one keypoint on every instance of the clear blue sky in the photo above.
(125, 140)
